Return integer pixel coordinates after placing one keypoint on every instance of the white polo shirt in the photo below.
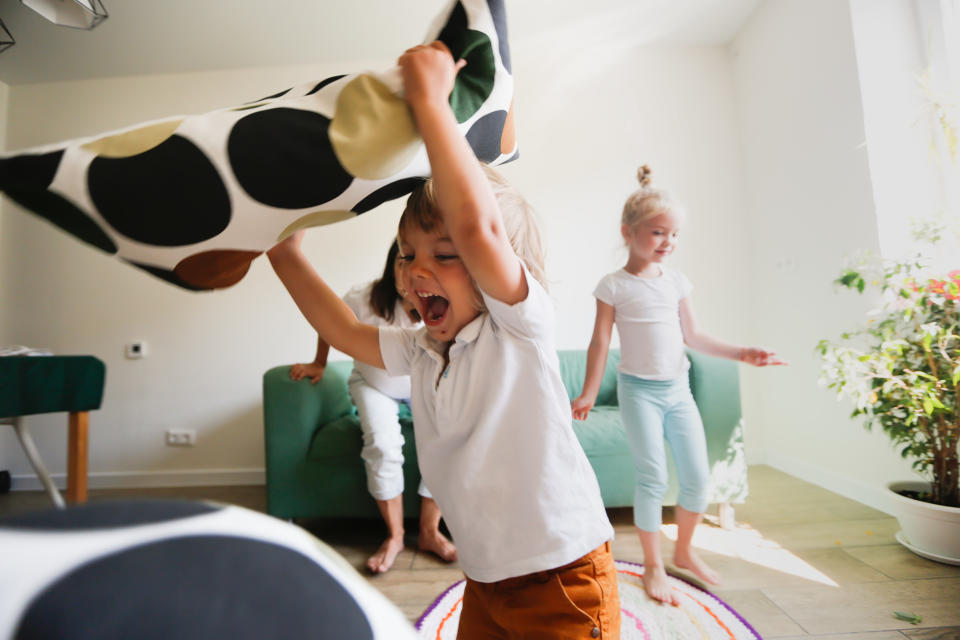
(358, 299)
(495, 440)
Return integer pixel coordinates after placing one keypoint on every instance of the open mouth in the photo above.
(433, 308)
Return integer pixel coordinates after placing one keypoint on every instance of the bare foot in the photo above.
(690, 561)
(382, 560)
(658, 586)
(435, 542)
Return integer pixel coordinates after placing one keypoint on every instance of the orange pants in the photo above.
(578, 600)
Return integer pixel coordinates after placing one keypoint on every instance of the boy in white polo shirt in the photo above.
(492, 421)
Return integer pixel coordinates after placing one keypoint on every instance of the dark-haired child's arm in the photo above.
(313, 370)
(324, 310)
(466, 201)
(700, 341)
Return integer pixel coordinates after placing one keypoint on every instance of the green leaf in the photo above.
(927, 406)
(848, 278)
(912, 618)
(860, 284)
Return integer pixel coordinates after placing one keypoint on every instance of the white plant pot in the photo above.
(929, 530)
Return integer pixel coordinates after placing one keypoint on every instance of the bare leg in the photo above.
(683, 554)
(392, 512)
(654, 574)
(430, 537)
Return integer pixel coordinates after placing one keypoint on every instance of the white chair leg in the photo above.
(728, 516)
(34, 457)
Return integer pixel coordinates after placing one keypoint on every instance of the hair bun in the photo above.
(643, 175)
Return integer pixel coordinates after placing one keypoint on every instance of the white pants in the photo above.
(382, 441)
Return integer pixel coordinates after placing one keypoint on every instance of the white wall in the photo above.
(586, 120)
(892, 51)
(810, 204)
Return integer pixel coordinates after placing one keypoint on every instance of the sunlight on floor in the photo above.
(748, 544)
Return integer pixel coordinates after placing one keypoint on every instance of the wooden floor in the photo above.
(802, 562)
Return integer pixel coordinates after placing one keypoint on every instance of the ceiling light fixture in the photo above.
(78, 14)
(6, 39)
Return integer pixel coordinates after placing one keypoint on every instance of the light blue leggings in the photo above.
(653, 410)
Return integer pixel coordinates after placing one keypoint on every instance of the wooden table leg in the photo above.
(77, 457)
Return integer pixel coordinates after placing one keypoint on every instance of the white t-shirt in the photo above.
(495, 440)
(358, 299)
(647, 315)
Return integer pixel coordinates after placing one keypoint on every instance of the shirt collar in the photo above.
(468, 334)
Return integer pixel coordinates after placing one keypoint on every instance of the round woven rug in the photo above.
(700, 616)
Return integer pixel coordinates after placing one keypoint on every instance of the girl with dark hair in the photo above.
(377, 396)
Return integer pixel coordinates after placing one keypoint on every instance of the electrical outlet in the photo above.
(181, 437)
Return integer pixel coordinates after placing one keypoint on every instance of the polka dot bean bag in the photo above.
(194, 199)
(173, 569)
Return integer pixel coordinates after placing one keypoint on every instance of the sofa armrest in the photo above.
(715, 383)
(292, 413)
(295, 409)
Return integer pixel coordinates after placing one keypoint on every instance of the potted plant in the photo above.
(901, 369)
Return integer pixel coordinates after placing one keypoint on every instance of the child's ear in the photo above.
(626, 231)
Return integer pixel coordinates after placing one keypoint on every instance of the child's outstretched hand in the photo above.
(760, 357)
(428, 73)
(581, 407)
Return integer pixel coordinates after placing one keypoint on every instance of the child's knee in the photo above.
(652, 481)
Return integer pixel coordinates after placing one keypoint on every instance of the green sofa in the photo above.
(313, 440)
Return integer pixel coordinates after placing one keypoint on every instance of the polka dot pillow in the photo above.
(194, 199)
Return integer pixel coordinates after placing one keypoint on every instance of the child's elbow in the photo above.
(475, 230)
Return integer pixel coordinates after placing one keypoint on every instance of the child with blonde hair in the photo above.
(494, 436)
(650, 304)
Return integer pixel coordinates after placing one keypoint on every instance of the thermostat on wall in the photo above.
(136, 350)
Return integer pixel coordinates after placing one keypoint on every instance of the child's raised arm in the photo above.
(596, 361)
(330, 316)
(466, 201)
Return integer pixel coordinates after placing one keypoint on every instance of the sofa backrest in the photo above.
(573, 367)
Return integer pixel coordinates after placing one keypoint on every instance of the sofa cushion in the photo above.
(342, 437)
(601, 434)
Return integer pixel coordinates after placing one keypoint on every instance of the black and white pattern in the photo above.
(194, 199)
(186, 570)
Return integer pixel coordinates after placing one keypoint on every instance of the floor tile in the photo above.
(900, 563)
(944, 633)
(763, 615)
(870, 606)
(832, 533)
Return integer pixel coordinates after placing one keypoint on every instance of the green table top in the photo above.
(46, 384)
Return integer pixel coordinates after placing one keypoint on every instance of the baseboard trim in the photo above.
(146, 479)
(873, 496)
